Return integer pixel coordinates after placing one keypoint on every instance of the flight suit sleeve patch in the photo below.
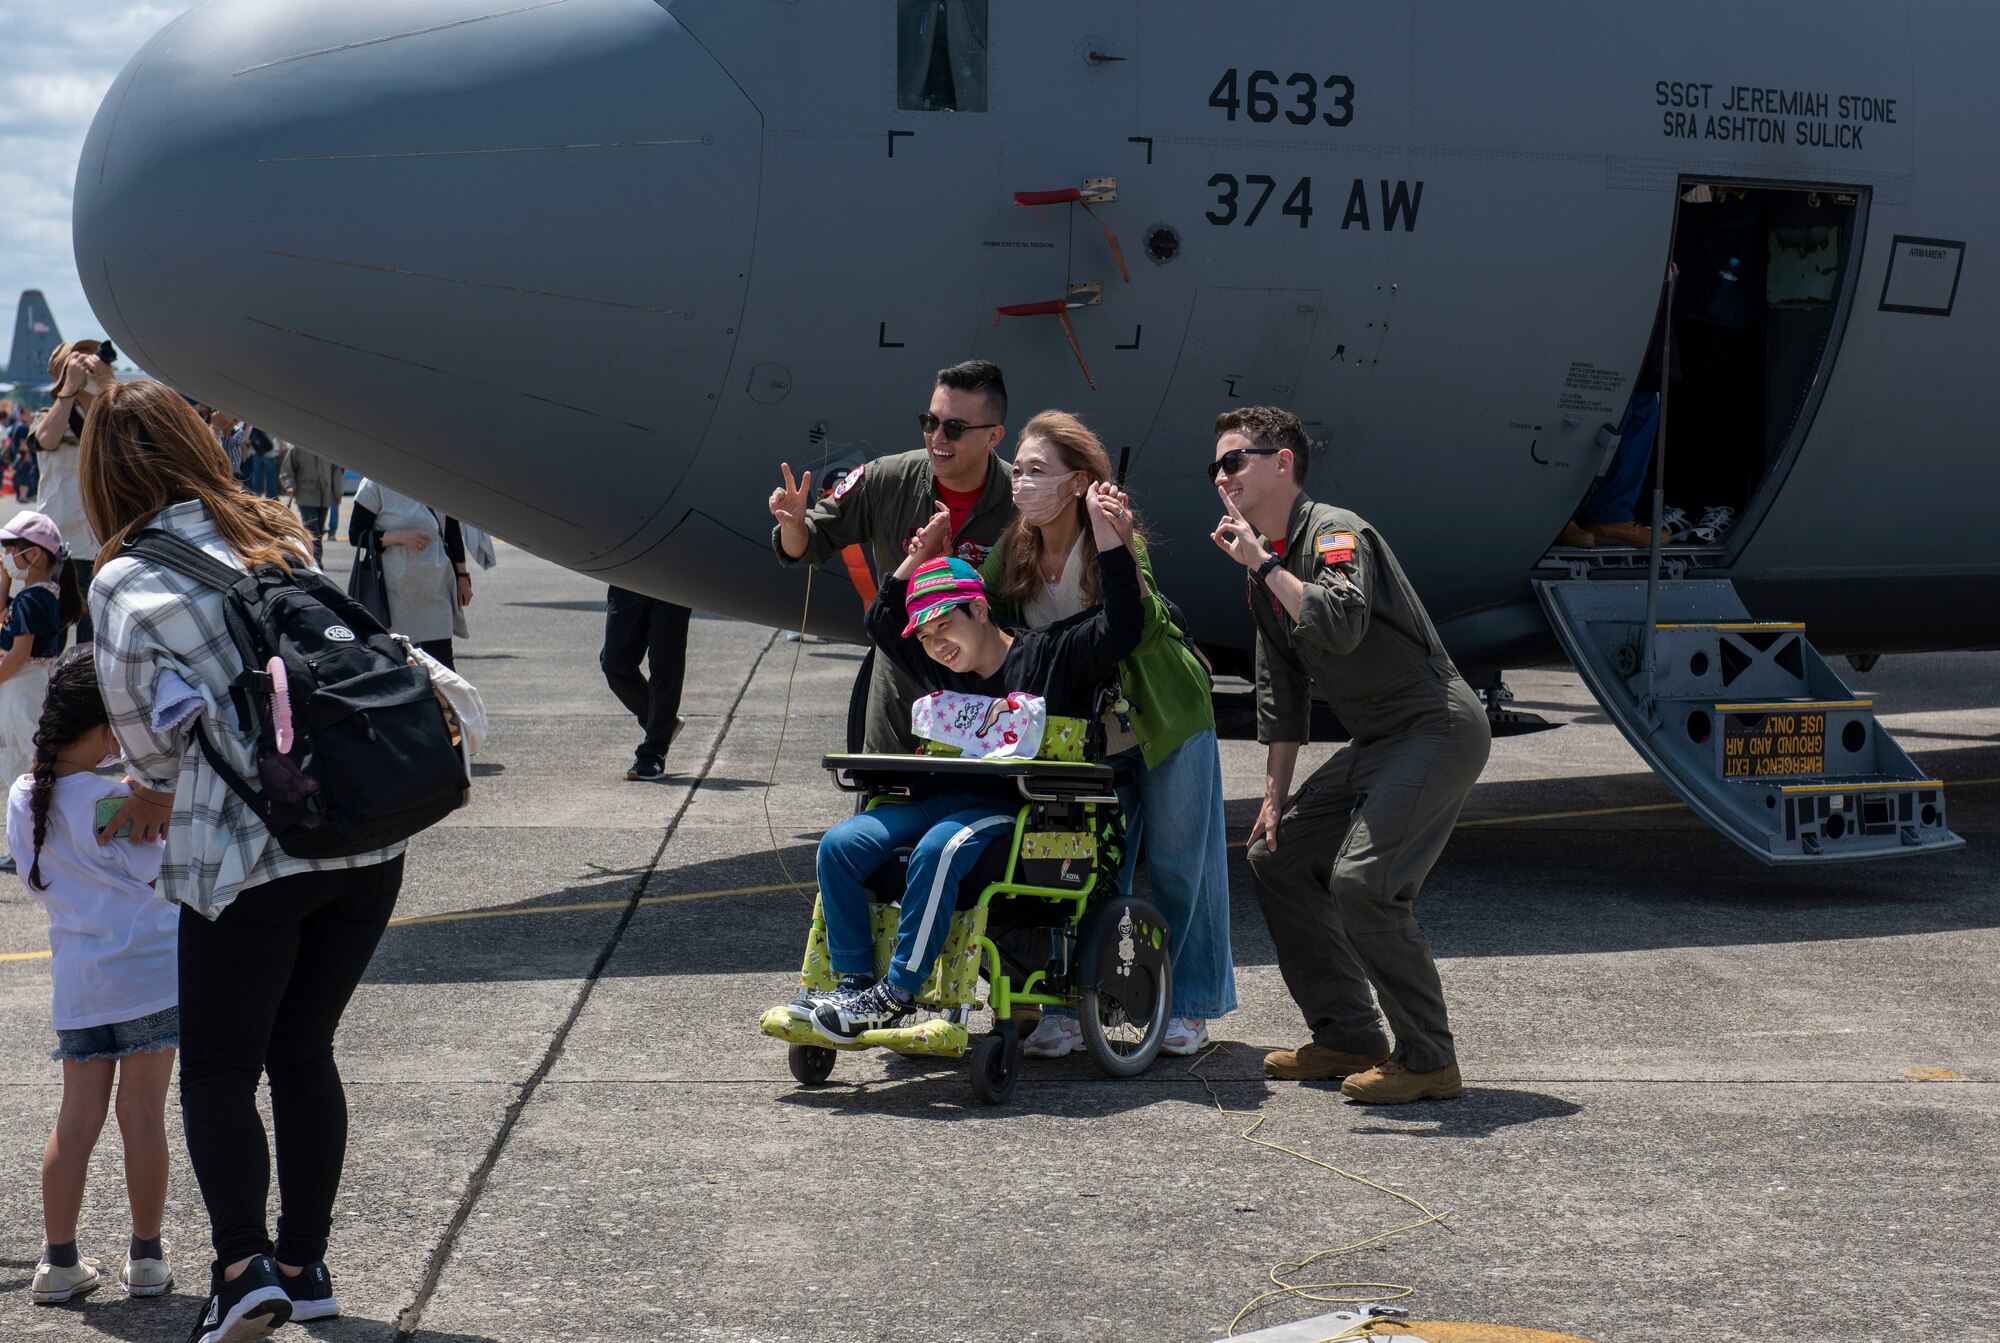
(847, 482)
(1335, 547)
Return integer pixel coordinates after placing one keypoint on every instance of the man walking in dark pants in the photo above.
(640, 627)
(1338, 870)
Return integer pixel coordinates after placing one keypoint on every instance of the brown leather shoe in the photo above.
(1573, 534)
(1390, 1083)
(1631, 534)
(1312, 1062)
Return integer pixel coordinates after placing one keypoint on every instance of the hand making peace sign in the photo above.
(790, 501)
(1236, 536)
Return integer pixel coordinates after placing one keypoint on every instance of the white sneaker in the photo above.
(147, 1277)
(1715, 523)
(1674, 526)
(53, 1285)
(1185, 1035)
(1054, 1037)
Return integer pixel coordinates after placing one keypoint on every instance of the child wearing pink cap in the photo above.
(43, 598)
(931, 620)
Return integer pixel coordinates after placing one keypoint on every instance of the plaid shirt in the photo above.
(151, 619)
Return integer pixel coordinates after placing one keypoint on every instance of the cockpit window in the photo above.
(941, 55)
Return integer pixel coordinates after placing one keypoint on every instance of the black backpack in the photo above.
(372, 759)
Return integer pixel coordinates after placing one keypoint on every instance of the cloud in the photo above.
(58, 69)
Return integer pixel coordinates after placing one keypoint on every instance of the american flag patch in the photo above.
(1335, 547)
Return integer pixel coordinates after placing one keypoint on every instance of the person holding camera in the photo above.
(82, 370)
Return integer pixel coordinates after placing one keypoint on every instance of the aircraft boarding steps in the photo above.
(1747, 723)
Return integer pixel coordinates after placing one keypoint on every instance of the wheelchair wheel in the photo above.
(996, 1066)
(1126, 982)
(810, 1064)
(1121, 1046)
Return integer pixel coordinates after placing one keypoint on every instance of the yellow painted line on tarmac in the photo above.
(467, 916)
(690, 897)
(1571, 815)
(680, 898)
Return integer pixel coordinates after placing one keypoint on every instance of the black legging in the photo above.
(262, 990)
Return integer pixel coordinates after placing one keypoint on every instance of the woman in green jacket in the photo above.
(1043, 571)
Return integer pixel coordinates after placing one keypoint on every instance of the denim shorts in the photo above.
(161, 1030)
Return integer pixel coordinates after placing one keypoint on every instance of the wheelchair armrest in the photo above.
(1034, 780)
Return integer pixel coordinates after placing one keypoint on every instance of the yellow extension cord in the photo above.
(798, 650)
(1316, 1291)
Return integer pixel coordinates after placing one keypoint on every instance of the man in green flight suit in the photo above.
(883, 503)
(1339, 869)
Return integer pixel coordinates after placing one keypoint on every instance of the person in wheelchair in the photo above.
(931, 619)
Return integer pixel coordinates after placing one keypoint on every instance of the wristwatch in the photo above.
(1270, 562)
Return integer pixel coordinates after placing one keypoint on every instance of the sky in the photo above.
(60, 59)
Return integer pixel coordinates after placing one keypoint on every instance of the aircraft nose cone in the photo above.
(493, 252)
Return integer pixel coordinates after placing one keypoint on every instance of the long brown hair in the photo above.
(1079, 450)
(144, 449)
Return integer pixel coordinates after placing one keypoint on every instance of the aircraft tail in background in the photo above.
(35, 339)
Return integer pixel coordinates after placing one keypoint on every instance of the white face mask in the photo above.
(17, 563)
(114, 758)
(1041, 499)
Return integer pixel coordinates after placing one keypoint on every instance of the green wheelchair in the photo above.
(1038, 922)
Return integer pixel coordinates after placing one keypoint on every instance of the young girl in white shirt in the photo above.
(114, 943)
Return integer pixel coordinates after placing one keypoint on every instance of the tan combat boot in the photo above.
(1634, 534)
(1390, 1083)
(1316, 1063)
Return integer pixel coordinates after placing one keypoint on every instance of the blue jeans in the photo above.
(263, 474)
(949, 832)
(1175, 809)
(1616, 498)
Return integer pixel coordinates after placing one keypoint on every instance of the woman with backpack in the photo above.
(271, 944)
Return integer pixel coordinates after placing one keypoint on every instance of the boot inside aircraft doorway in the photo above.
(1765, 281)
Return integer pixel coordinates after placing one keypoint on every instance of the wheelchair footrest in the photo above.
(935, 1036)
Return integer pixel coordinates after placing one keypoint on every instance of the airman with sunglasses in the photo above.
(884, 503)
(1334, 610)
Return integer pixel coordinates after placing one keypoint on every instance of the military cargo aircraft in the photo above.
(586, 271)
(35, 339)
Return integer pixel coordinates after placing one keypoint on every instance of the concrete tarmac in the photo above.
(1706, 1099)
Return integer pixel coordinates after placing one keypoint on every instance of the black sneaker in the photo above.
(311, 1293)
(841, 1017)
(647, 770)
(250, 1307)
(802, 1007)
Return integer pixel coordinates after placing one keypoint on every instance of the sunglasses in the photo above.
(1229, 463)
(930, 424)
